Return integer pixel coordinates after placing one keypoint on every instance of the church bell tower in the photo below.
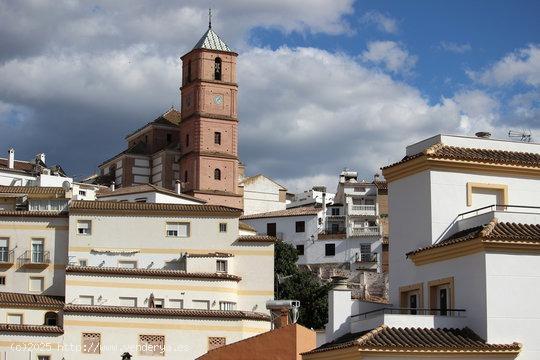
(209, 125)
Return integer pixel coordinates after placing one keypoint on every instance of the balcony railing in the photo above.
(6, 256)
(30, 257)
(411, 311)
(367, 258)
(491, 208)
(362, 210)
(365, 231)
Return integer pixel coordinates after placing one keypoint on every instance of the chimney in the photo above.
(283, 319)
(483, 135)
(376, 177)
(11, 158)
(178, 187)
(112, 186)
(340, 307)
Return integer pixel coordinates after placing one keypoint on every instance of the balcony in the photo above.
(365, 231)
(6, 257)
(362, 210)
(34, 259)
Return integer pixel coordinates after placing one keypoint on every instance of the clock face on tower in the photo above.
(218, 99)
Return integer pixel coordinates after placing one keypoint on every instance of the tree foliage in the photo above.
(300, 285)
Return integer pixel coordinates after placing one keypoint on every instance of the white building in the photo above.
(465, 235)
(262, 194)
(147, 193)
(311, 197)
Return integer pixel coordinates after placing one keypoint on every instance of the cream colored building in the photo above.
(262, 194)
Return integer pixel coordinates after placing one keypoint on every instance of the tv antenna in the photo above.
(523, 136)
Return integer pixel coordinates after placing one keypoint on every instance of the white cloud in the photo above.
(520, 66)
(392, 55)
(455, 47)
(383, 22)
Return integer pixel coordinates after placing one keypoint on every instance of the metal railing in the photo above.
(6, 256)
(365, 231)
(411, 311)
(497, 207)
(34, 257)
(362, 210)
(367, 258)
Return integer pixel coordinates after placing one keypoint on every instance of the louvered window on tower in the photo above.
(216, 342)
(152, 345)
(217, 174)
(217, 69)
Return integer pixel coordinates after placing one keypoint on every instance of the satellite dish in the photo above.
(523, 136)
(66, 185)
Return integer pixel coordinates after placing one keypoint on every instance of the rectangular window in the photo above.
(83, 262)
(201, 304)
(86, 300)
(36, 284)
(329, 249)
(411, 298)
(360, 189)
(91, 343)
(4, 250)
(43, 357)
(223, 227)
(441, 295)
(128, 301)
(38, 251)
(300, 249)
(365, 252)
(152, 345)
(159, 303)
(227, 305)
(300, 226)
(271, 229)
(82, 192)
(127, 264)
(169, 138)
(335, 211)
(177, 229)
(2, 280)
(221, 266)
(217, 138)
(216, 342)
(84, 227)
(15, 319)
(176, 303)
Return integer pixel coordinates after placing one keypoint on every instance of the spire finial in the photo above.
(209, 18)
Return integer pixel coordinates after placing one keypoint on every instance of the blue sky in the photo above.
(323, 84)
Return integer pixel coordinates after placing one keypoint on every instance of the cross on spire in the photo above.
(209, 18)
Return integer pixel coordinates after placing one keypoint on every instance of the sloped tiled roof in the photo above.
(256, 238)
(33, 190)
(300, 211)
(421, 339)
(137, 207)
(169, 118)
(189, 313)
(106, 192)
(488, 156)
(150, 272)
(24, 166)
(211, 41)
(34, 214)
(243, 226)
(9, 299)
(43, 329)
(493, 231)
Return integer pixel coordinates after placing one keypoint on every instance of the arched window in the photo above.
(189, 71)
(217, 69)
(51, 318)
(217, 174)
(185, 176)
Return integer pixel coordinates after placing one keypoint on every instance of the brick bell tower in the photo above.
(209, 125)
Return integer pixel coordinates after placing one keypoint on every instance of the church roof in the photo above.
(211, 41)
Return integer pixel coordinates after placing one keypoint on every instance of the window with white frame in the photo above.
(227, 305)
(177, 229)
(221, 266)
(4, 250)
(36, 284)
(222, 227)
(84, 227)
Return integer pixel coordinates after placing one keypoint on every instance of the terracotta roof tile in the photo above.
(300, 211)
(210, 255)
(78, 205)
(440, 151)
(33, 190)
(31, 328)
(243, 226)
(421, 339)
(150, 272)
(9, 299)
(24, 213)
(102, 193)
(256, 238)
(494, 231)
(24, 166)
(189, 313)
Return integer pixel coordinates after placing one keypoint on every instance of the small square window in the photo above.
(82, 192)
(84, 227)
(36, 284)
(177, 229)
(330, 250)
(222, 227)
(227, 305)
(16, 319)
(216, 342)
(217, 138)
(83, 262)
(2, 280)
(159, 303)
(300, 249)
(300, 226)
(221, 266)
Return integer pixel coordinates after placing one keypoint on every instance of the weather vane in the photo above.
(209, 18)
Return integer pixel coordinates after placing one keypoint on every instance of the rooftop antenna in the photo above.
(523, 136)
(209, 18)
